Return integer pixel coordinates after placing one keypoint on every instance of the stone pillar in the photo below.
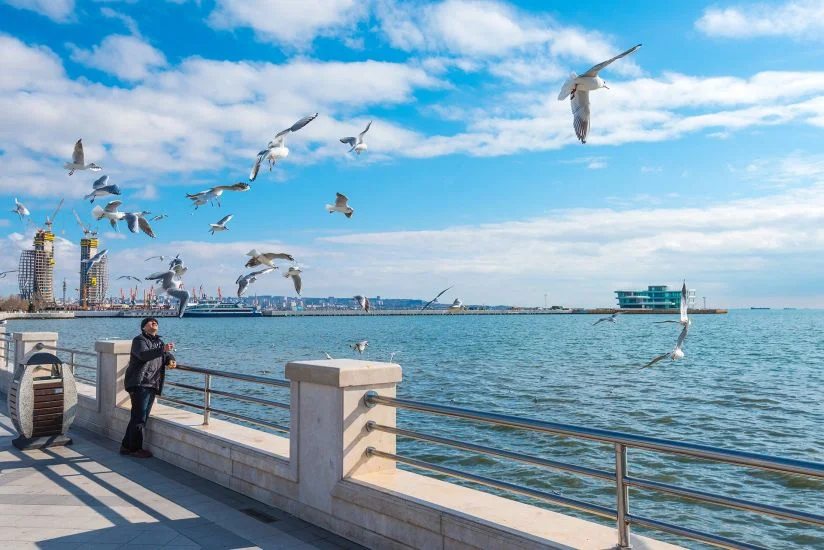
(329, 433)
(112, 360)
(24, 342)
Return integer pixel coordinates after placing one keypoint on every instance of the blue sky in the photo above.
(703, 162)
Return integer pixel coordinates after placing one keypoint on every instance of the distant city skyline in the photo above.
(701, 163)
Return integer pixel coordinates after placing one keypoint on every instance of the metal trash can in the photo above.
(42, 401)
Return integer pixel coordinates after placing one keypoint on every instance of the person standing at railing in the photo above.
(145, 375)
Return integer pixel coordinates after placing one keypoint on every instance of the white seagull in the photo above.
(20, 210)
(220, 225)
(358, 144)
(214, 193)
(294, 273)
(171, 282)
(676, 352)
(267, 258)
(109, 212)
(138, 279)
(94, 260)
(101, 188)
(78, 160)
(245, 280)
(153, 257)
(457, 305)
(577, 88)
(360, 347)
(327, 355)
(276, 149)
(363, 302)
(435, 299)
(684, 318)
(611, 319)
(137, 223)
(4, 273)
(341, 205)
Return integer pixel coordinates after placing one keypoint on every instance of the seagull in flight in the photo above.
(360, 347)
(214, 193)
(676, 352)
(267, 258)
(341, 205)
(294, 273)
(457, 305)
(363, 302)
(358, 144)
(110, 212)
(94, 260)
(276, 149)
(137, 223)
(159, 217)
(78, 160)
(611, 319)
(220, 225)
(138, 279)
(684, 318)
(171, 281)
(577, 89)
(435, 299)
(327, 355)
(245, 280)
(20, 210)
(161, 258)
(101, 188)
(4, 273)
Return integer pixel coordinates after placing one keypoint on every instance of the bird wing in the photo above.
(242, 284)
(684, 318)
(599, 321)
(366, 304)
(113, 223)
(302, 122)
(144, 225)
(131, 222)
(278, 256)
(77, 155)
(360, 136)
(112, 206)
(225, 219)
(102, 181)
(254, 261)
(256, 168)
(261, 272)
(341, 200)
(580, 114)
(240, 186)
(349, 141)
(182, 295)
(441, 292)
(681, 338)
(298, 283)
(593, 71)
(566, 89)
(659, 358)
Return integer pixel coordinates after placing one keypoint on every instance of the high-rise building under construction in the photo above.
(35, 273)
(94, 283)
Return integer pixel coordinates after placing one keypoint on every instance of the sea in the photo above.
(751, 380)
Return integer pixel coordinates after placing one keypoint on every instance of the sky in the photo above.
(703, 162)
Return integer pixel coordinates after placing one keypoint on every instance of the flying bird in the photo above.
(110, 212)
(341, 205)
(358, 144)
(136, 223)
(457, 305)
(159, 217)
(171, 281)
(676, 352)
(94, 260)
(245, 280)
(101, 188)
(220, 225)
(577, 88)
(435, 299)
(161, 258)
(276, 149)
(363, 302)
(360, 347)
(684, 318)
(327, 355)
(20, 210)
(294, 273)
(267, 258)
(138, 279)
(4, 273)
(611, 319)
(78, 160)
(214, 193)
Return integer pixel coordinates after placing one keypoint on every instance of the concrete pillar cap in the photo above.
(342, 373)
(113, 346)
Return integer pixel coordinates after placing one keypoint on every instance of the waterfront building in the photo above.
(654, 297)
(35, 273)
(94, 284)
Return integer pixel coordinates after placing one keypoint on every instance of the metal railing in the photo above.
(621, 442)
(208, 391)
(73, 354)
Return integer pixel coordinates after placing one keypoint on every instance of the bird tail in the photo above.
(330, 207)
(97, 212)
(253, 253)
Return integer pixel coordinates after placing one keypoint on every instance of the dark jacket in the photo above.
(147, 364)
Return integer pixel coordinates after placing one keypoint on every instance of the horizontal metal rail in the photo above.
(685, 532)
(238, 396)
(67, 350)
(237, 376)
(272, 425)
(741, 458)
(602, 511)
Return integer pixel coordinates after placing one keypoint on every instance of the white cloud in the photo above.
(60, 11)
(291, 23)
(651, 169)
(126, 57)
(796, 19)
(129, 22)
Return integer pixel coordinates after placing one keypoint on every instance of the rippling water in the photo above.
(751, 380)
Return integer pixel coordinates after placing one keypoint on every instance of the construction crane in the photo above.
(50, 221)
(87, 231)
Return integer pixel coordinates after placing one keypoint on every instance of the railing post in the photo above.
(71, 361)
(622, 496)
(207, 398)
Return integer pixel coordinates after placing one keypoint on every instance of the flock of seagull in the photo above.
(576, 88)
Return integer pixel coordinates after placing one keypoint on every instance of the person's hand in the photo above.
(168, 347)
(171, 364)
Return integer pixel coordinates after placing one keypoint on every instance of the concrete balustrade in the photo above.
(321, 473)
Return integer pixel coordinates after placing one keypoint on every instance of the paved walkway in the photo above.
(88, 496)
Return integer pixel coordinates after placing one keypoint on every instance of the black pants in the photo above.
(142, 401)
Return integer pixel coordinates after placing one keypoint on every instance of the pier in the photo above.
(330, 471)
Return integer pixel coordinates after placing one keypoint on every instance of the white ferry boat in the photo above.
(221, 309)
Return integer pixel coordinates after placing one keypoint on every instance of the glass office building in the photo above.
(654, 297)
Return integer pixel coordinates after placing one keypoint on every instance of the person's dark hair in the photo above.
(147, 320)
